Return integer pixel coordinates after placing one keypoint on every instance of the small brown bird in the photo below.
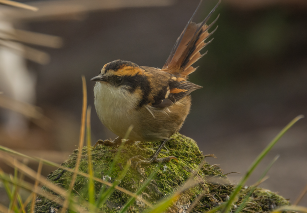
(154, 101)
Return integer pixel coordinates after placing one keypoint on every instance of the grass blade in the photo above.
(46, 162)
(195, 202)
(25, 204)
(117, 181)
(39, 191)
(256, 162)
(91, 186)
(215, 209)
(8, 190)
(14, 192)
(114, 162)
(132, 199)
(32, 174)
(39, 170)
(162, 206)
(243, 204)
(168, 201)
(81, 142)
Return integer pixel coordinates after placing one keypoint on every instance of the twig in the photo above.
(20, 5)
(300, 197)
(32, 38)
(25, 109)
(28, 52)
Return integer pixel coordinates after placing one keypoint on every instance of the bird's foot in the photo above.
(115, 142)
(140, 160)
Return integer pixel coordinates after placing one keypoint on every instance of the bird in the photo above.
(154, 102)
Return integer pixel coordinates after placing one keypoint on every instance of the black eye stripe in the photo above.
(160, 96)
(132, 83)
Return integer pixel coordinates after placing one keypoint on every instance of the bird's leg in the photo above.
(153, 158)
(115, 142)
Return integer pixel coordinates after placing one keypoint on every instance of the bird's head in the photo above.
(123, 74)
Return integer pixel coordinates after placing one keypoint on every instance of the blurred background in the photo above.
(254, 77)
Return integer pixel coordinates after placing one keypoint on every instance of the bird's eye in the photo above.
(118, 80)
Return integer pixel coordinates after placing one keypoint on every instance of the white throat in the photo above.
(114, 106)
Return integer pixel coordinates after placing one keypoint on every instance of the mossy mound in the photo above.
(215, 187)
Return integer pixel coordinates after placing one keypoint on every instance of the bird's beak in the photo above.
(99, 77)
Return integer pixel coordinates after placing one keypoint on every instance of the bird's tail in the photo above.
(186, 50)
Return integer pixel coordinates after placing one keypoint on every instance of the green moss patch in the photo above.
(214, 188)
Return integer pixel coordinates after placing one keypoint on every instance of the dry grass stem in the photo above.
(27, 201)
(81, 142)
(16, 195)
(4, 209)
(38, 174)
(300, 197)
(76, 9)
(260, 181)
(28, 110)
(290, 208)
(6, 150)
(39, 38)
(39, 191)
(20, 5)
(32, 174)
(28, 52)
(25, 109)
(33, 38)
(91, 185)
(195, 202)
(54, 156)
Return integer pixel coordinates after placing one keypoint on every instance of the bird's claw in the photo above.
(104, 143)
(115, 142)
(140, 160)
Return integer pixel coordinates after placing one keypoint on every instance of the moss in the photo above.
(168, 178)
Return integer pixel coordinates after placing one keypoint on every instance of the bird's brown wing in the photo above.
(186, 50)
(180, 89)
(175, 92)
(167, 89)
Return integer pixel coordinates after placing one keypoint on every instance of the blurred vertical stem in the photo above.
(7, 189)
(81, 142)
(39, 170)
(15, 191)
(91, 186)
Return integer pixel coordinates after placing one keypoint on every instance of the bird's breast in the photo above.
(115, 107)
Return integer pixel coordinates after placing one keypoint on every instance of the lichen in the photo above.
(214, 187)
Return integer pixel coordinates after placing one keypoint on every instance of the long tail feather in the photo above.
(186, 50)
